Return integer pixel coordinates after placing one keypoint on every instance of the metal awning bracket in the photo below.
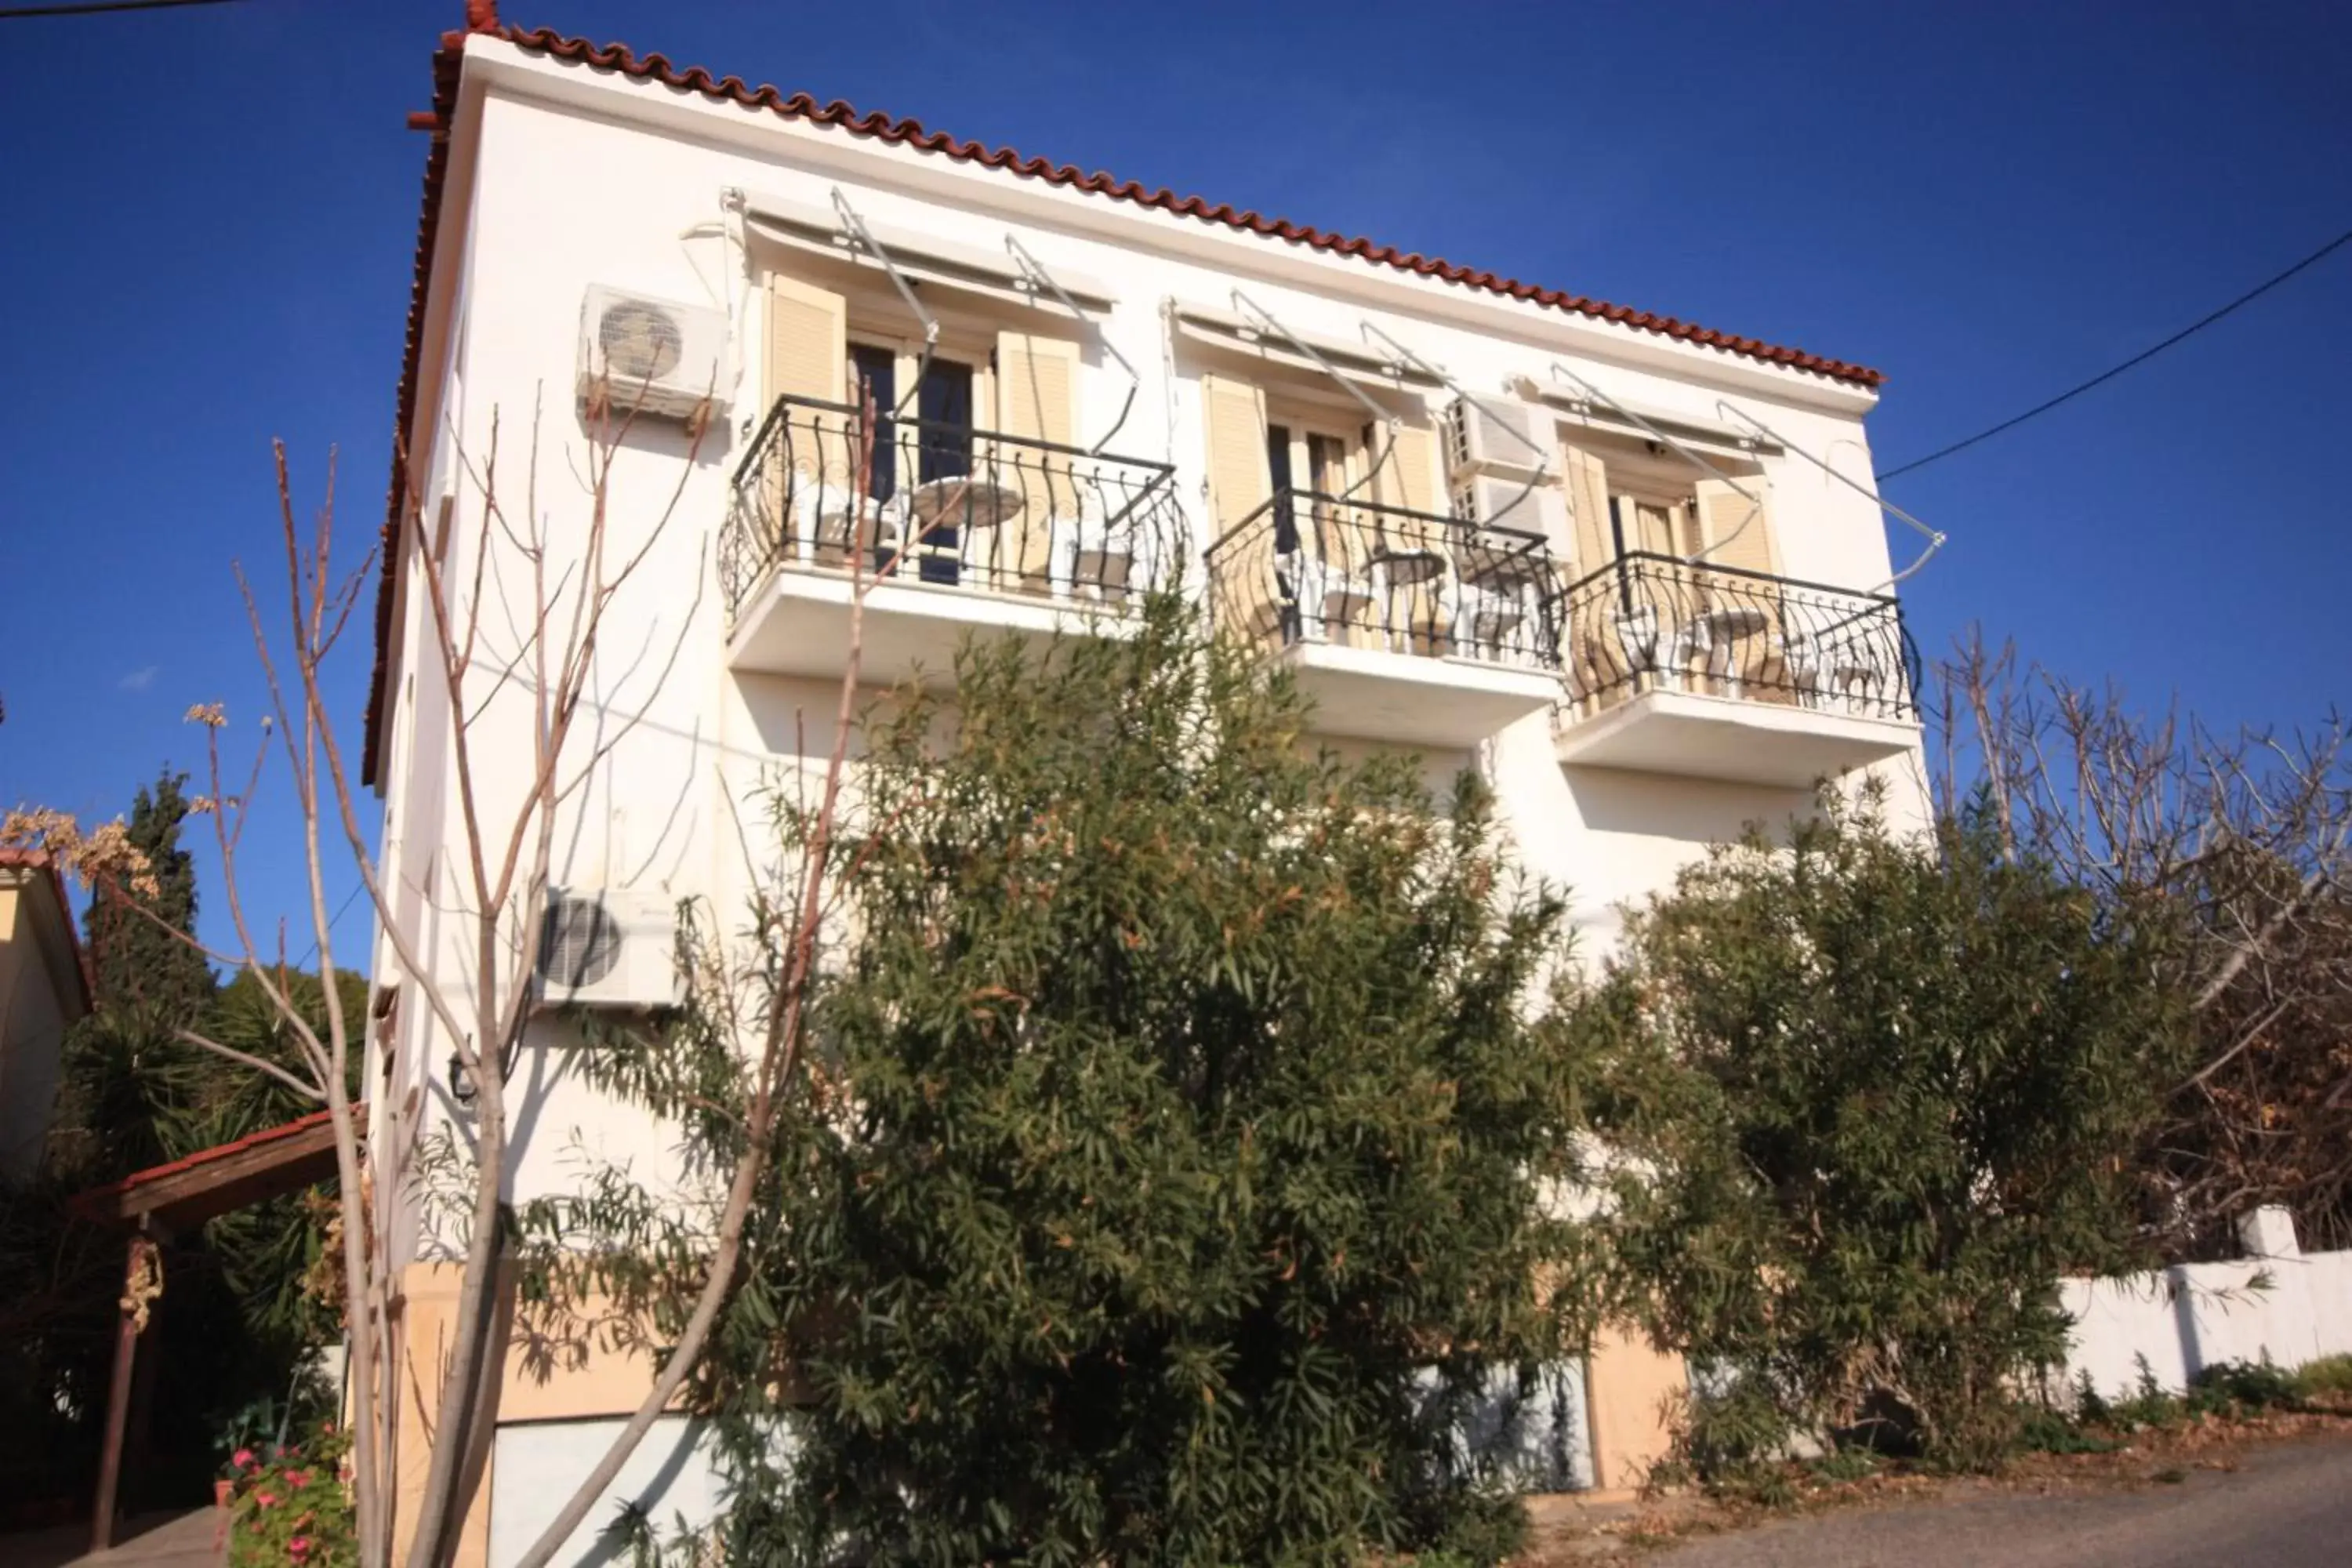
(1935, 537)
(1755, 502)
(1034, 274)
(1266, 322)
(1405, 357)
(863, 238)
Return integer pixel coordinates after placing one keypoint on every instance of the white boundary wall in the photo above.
(2278, 1302)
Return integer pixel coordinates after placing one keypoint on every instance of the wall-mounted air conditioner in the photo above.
(650, 357)
(1485, 501)
(607, 948)
(1500, 434)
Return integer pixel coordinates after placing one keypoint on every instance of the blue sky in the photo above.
(212, 211)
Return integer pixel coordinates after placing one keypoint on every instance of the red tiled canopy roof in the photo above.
(226, 1177)
(482, 19)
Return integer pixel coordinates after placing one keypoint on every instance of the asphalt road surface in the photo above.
(2286, 1506)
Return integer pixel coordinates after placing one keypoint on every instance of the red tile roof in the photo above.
(482, 18)
(108, 1201)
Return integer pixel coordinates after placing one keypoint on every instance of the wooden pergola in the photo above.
(164, 1201)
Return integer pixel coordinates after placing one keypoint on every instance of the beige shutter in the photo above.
(1738, 534)
(1722, 512)
(1408, 478)
(1587, 481)
(1233, 418)
(1594, 656)
(807, 353)
(1036, 399)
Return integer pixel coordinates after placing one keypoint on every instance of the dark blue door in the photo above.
(944, 408)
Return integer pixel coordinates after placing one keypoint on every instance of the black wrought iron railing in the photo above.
(1309, 567)
(1649, 621)
(946, 505)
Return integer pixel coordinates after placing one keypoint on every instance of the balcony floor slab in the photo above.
(797, 623)
(1412, 700)
(1732, 739)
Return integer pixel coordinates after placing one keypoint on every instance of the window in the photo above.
(875, 371)
(939, 447)
(1655, 524)
(943, 404)
(1277, 464)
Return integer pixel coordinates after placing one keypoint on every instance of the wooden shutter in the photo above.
(1742, 527)
(807, 355)
(1587, 482)
(1232, 420)
(1408, 478)
(1722, 510)
(1037, 399)
(1592, 654)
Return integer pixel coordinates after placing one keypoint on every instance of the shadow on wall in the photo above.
(657, 436)
(2183, 1290)
(1529, 1431)
(795, 718)
(1440, 769)
(670, 1482)
(1694, 811)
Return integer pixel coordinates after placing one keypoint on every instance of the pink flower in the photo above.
(299, 1547)
(241, 1459)
(298, 1479)
(267, 1500)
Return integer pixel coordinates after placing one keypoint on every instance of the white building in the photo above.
(1629, 567)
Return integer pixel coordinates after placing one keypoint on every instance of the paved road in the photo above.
(2287, 1506)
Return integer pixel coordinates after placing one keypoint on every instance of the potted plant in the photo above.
(242, 1436)
(241, 1439)
(291, 1506)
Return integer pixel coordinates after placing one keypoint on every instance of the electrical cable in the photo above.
(96, 7)
(2142, 357)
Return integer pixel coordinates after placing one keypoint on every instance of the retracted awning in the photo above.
(1237, 333)
(1618, 416)
(919, 257)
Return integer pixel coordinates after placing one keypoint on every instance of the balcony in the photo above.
(1712, 672)
(1402, 625)
(957, 531)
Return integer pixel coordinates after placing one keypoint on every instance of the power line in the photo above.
(2248, 297)
(357, 888)
(93, 8)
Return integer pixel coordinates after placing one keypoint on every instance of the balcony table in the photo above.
(1413, 568)
(966, 502)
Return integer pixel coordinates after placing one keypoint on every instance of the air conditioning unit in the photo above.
(1499, 435)
(607, 948)
(651, 358)
(1484, 502)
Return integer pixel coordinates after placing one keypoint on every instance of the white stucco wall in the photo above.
(2284, 1306)
(32, 1023)
(670, 1480)
(576, 179)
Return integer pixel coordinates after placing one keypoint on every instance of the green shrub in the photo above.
(2327, 1376)
(1180, 1182)
(1880, 1093)
(2236, 1387)
(2041, 1430)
